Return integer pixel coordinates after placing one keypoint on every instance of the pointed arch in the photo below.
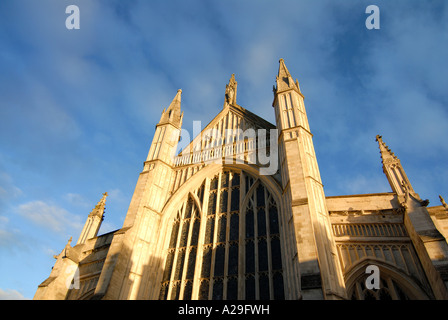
(263, 263)
(181, 254)
(394, 283)
(249, 193)
(209, 172)
(220, 251)
(197, 201)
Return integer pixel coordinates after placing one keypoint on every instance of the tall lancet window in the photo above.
(234, 251)
(263, 261)
(177, 280)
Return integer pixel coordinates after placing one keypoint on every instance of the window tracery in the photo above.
(238, 255)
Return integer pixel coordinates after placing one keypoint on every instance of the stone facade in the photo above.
(241, 213)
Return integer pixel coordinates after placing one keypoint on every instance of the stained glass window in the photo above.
(215, 241)
(389, 289)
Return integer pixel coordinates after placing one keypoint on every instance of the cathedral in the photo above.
(240, 213)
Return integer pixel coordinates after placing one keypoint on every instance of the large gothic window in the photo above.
(231, 251)
(390, 288)
(182, 251)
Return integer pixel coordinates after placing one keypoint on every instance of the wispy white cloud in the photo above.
(11, 294)
(3, 220)
(77, 200)
(8, 189)
(12, 239)
(116, 195)
(49, 216)
(366, 183)
(408, 77)
(7, 238)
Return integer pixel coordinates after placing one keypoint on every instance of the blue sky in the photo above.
(78, 108)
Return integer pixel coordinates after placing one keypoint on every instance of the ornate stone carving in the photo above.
(443, 202)
(230, 96)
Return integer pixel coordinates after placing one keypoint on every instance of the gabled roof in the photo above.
(231, 117)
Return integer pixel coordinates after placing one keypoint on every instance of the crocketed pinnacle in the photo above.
(386, 153)
(100, 207)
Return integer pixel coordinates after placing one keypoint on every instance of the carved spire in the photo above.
(175, 104)
(173, 113)
(394, 171)
(230, 96)
(284, 79)
(100, 207)
(93, 223)
(386, 154)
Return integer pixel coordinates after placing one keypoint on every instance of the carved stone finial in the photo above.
(297, 84)
(230, 96)
(67, 248)
(98, 210)
(387, 155)
(443, 202)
